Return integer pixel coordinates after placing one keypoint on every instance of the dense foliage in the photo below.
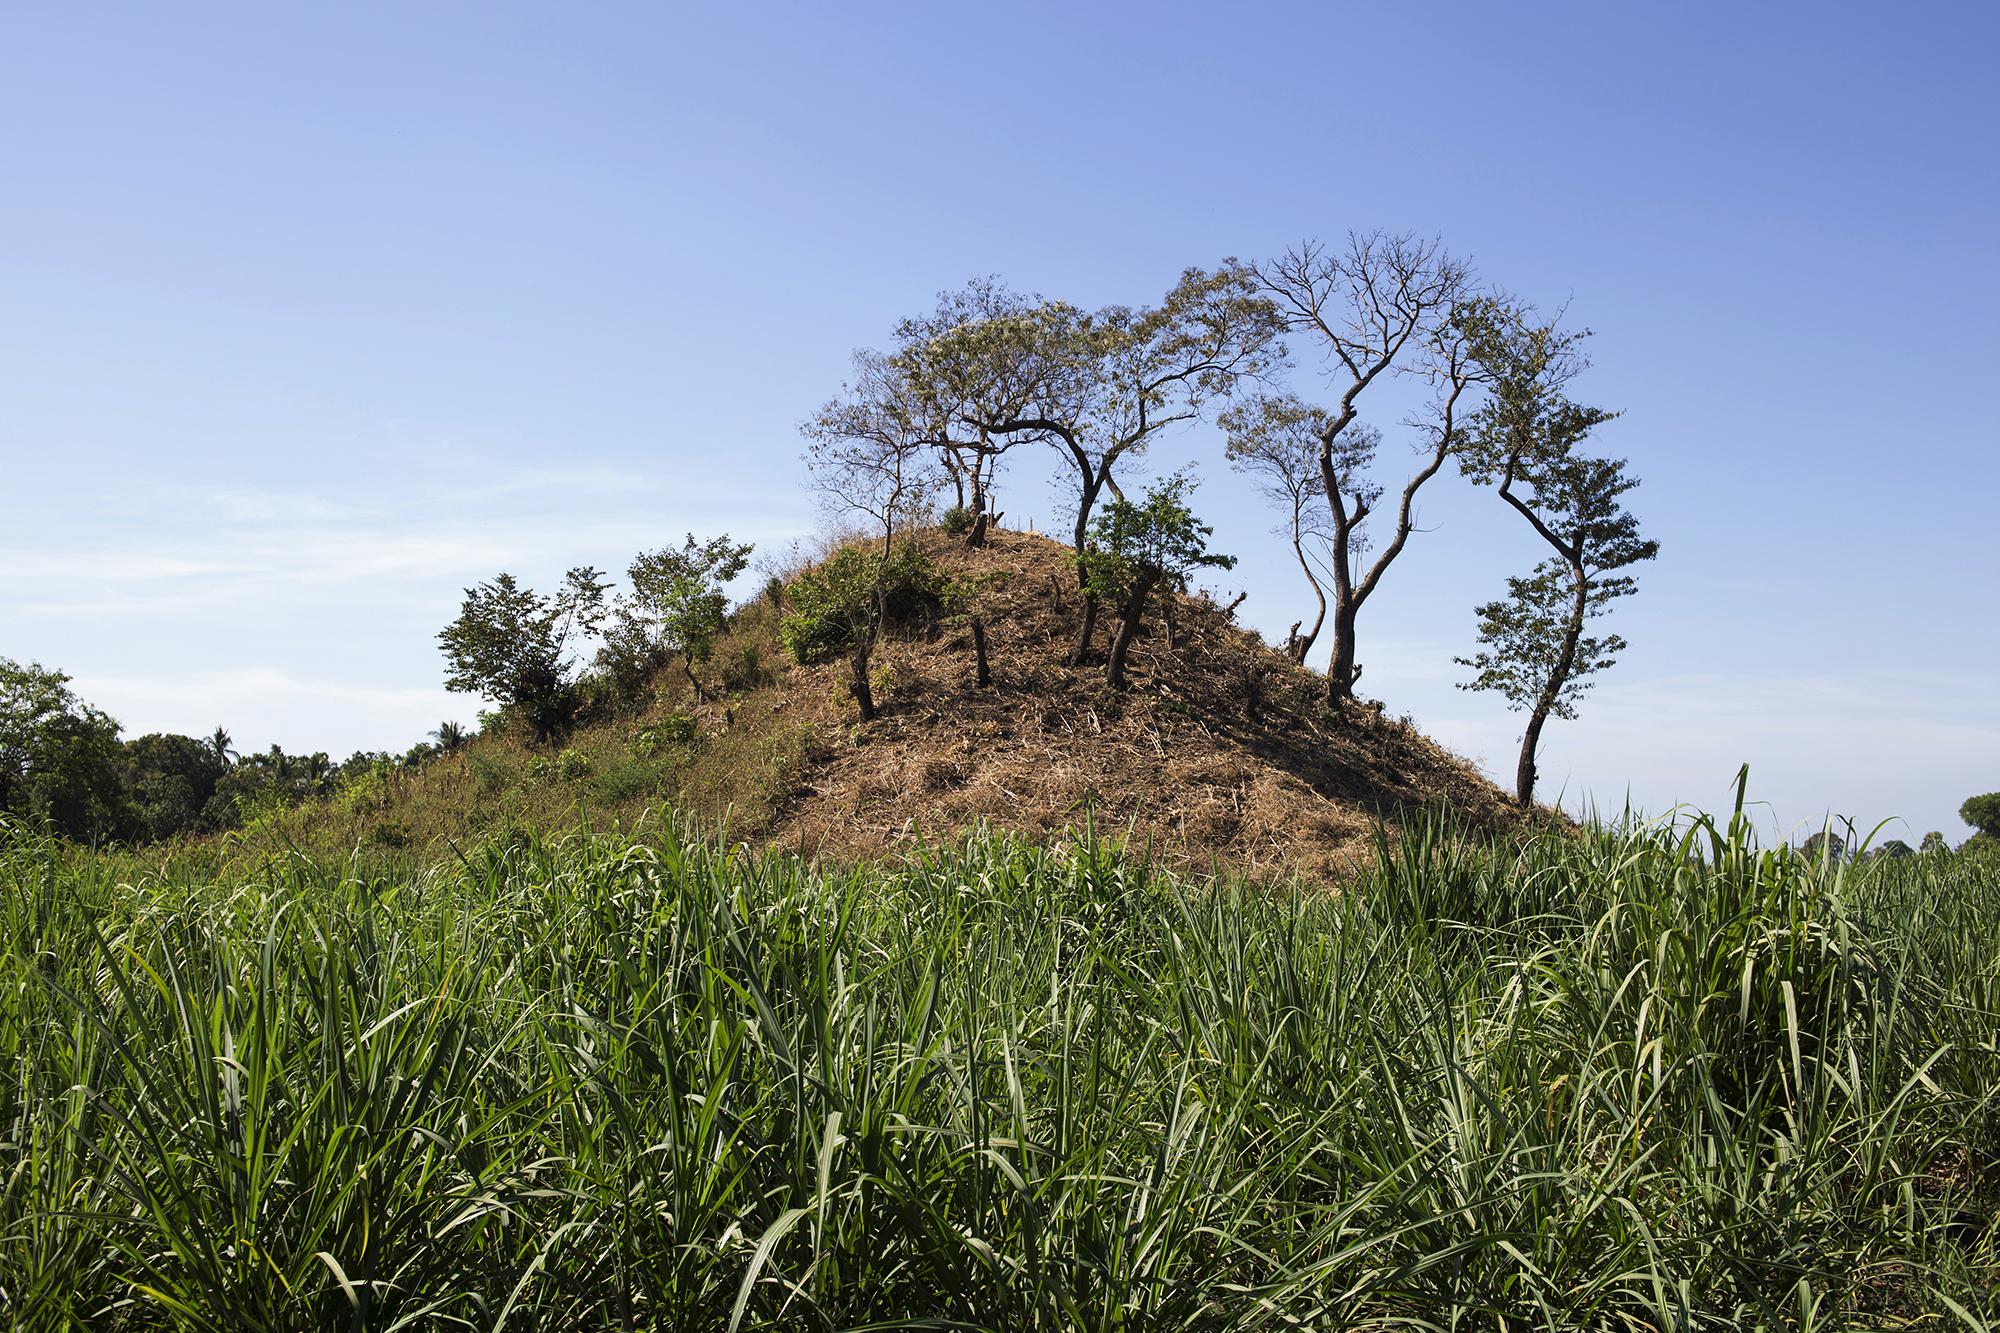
(518, 648)
(1134, 550)
(1634, 1079)
(678, 606)
(1983, 813)
(856, 591)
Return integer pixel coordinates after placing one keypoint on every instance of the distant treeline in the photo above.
(63, 767)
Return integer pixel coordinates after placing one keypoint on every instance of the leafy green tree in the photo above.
(1983, 813)
(677, 607)
(1526, 436)
(843, 604)
(59, 757)
(1535, 653)
(517, 647)
(170, 780)
(1384, 307)
(1933, 842)
(1136, 549)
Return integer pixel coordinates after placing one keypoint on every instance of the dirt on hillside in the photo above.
(1220, 750)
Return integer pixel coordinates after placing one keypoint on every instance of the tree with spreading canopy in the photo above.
(518, 648)
(60, 761)
(1101, 386)
(1136, 550)
(1385, 306)
(170, 780)
(678, 605)
(1525, 436)
(1983, 813)
(973, 362)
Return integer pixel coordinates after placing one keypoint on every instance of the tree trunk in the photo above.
(982, 676)
(1302, 644)
(857, 685)
(1128, 627)
(1524, 772)
(694, 683)
(1340, 669)
(1531, 737)
(1081, 653)
(1086, 502)
(976, 535)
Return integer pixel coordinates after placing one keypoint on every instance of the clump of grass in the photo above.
(1633, 1078)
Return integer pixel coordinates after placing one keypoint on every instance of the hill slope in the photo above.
(1220, 750)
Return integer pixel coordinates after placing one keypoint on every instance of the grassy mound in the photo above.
(1644, 1079)
(1222, 751)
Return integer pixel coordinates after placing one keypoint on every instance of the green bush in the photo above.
(742, 668)
(673, 729)
(957, 521)
(572, 764)
(835, 603)
(488, 773)
(363, 791)
(627, 780)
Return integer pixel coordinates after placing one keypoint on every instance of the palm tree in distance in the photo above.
(221, 747)
(449, 735)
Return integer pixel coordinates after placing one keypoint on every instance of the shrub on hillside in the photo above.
(489, 773)
(626, 780)
(742, 668)
(673, 729)
(835, 603)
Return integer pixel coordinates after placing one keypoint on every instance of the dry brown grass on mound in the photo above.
(1180, 755)
(777, 753)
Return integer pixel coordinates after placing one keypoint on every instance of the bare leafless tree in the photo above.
(1385, 305)
(870, 457)
(1276, 440)
(870, 454)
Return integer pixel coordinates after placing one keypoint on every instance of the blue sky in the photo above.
(309, 319)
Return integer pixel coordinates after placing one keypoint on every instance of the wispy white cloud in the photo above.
(186, 549)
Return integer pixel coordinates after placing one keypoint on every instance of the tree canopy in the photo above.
(675, 609)
(518, 647)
